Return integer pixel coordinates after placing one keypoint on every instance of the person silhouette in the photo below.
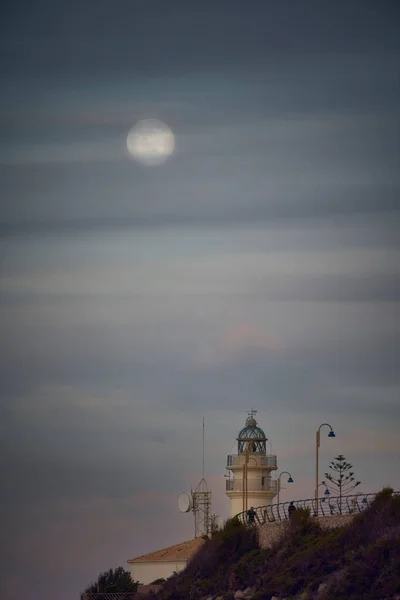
(251, 514)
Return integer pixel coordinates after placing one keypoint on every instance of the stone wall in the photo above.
(270, 533)
(335, 521)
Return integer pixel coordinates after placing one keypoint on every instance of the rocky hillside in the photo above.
(357, 561)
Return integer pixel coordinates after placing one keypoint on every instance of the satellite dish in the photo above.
(185, 503)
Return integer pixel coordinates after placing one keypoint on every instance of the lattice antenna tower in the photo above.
(202, 504)
(199, 502)
(202, 509)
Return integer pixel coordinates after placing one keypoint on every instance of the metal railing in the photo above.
(234, 460)
(109, 596)
(345, 505)
(252, 485)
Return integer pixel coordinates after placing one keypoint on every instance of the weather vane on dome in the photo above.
(252, 412)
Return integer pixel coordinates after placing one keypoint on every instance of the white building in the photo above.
(250, 482)
(163, 563)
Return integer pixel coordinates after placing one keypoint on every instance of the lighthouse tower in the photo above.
(250, 482)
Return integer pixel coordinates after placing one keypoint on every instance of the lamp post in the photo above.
(244, 480)
(290, 480)
(244, 476)
(326, 492)
(331, 434)
(363, 501)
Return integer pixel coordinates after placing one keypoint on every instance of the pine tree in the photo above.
(341, 479)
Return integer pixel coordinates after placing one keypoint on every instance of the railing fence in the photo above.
(327, 506)
(109, 596)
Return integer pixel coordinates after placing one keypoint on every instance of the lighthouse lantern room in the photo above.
(250, 482)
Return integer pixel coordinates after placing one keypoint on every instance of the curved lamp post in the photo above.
(326, 492)
(363, 501)
(290, 480)
(331, 434)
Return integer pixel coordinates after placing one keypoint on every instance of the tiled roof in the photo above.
(183, 551)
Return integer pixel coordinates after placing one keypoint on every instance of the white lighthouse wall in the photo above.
(147, 572)
(255, 465)
(253, 499)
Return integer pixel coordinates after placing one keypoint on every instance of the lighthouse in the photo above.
(250, 482)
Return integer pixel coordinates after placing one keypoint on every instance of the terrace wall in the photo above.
(270, 533)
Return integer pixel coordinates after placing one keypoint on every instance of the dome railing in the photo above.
(268, 460)
(260, 484)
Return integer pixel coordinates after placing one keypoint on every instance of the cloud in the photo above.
(265, 168)
(248, 335)
(360, 288)
(235, 341)
(80, 539)
(53, 153)
(53, 397)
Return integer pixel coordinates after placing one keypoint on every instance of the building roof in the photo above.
(183, 551)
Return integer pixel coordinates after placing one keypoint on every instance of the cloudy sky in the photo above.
(257, 267)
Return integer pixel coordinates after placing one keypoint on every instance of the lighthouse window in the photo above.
(251, 446)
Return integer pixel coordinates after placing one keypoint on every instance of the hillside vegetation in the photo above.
(358, 561)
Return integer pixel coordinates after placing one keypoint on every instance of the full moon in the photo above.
(150, 142)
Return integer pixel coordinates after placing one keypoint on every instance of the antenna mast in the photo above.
(203, 447)
(202, 505)
(199, 502)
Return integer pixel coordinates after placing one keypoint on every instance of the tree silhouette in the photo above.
(113, 580)
(341, 479)
(214, 526)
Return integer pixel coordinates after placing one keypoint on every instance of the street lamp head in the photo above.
(290, 480)
(364, 500)
(331, 433)
(327, 492)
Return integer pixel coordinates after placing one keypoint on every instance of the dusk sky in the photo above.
(257, 267)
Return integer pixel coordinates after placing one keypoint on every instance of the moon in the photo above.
(150, 142)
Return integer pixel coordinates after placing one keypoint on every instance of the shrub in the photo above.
(359, 560)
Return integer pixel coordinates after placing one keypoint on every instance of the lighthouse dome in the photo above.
(251, 438)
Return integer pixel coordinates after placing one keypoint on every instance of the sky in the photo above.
(257, 267)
